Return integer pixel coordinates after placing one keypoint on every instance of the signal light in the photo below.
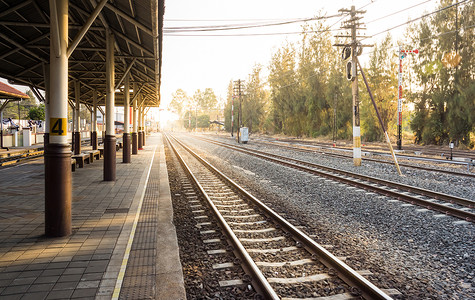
(346, 53)
(350, 71)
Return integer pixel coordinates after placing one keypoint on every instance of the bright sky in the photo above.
(192, 63)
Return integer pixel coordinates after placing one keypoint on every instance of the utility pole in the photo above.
(353, 49)
(238, 92)
(402, 54)
(334, 120)
(232, 116)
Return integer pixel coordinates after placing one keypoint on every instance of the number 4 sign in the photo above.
(58, 126)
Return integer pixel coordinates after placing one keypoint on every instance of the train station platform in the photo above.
(123, 244)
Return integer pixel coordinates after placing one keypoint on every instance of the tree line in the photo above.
(306, 92)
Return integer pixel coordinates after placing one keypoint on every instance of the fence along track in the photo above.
(381, 186)
(274, 247)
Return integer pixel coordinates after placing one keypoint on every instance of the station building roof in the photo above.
(137, 26)
(9, 92)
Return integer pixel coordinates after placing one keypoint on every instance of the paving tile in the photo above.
(72, 271)
(26, 274)
(68, 278)
(17, 289)
(88, 284)
(57, 265)
(78, 264)
(43, 287)
(36, 267)
(68, 285)
(52, 272)
(23, 280)
(92, 276)
(80, 293)
(47, 279)
(34, 296)
(64, 294)
(8, 275)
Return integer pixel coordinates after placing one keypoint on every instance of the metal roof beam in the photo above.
(86, 27)
(127, 71)
(17, 49)
(3, 36)
(14, 8)
(135, 44)
(129, 18)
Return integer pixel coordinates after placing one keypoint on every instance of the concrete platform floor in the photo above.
(92, 263)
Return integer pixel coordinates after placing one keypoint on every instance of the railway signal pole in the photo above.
(402, 54)
(353, 49)
(238, 90)
(232, 116)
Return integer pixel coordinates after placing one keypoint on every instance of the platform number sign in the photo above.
(58, 126)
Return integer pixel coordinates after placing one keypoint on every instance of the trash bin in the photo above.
(244, 135)
(26, 137)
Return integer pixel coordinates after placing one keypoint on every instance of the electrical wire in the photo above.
(416, 19)
(250, 34)
(397, 12)
(232, 27)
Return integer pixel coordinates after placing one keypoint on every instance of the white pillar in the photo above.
(110, 89)
(126, 104)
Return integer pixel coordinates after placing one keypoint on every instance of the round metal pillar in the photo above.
(58, 188)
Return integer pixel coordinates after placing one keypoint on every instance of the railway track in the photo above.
(32, 154)
(284, 263)
(14, 159)
(422, 150)
(447, 204)
(299, 148)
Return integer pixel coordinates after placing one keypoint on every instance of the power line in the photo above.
(426, 38)
(250, 34)
(245, 26)
(397, 12)
(416, 19)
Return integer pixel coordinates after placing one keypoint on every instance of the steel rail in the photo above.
(468, 216)
(347, 274)
(295, 147)
(428, 152)
(261, 282)
(9, 160)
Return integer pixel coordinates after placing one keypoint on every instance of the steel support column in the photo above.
(110, 140)
(58, 189)
(134, 122)
(140, 133)
(77, 119)
(126, 138)
(47, 97)
(94, 120)
(143, 126)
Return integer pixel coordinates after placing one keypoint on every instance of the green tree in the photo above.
(203, 121)
(445, 70)
(179, 101)
(254, 101)
(382, 78)
(287, 103)
(37, 113)
(208, 100)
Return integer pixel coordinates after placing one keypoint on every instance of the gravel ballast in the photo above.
(421, 253)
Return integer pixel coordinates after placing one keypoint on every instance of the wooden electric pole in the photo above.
(353, 49)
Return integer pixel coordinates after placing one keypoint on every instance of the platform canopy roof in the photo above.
(136, 24)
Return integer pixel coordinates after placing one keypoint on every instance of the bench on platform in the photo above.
(94, 154)
(101, 149)
(81, 159)
(73, 165)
